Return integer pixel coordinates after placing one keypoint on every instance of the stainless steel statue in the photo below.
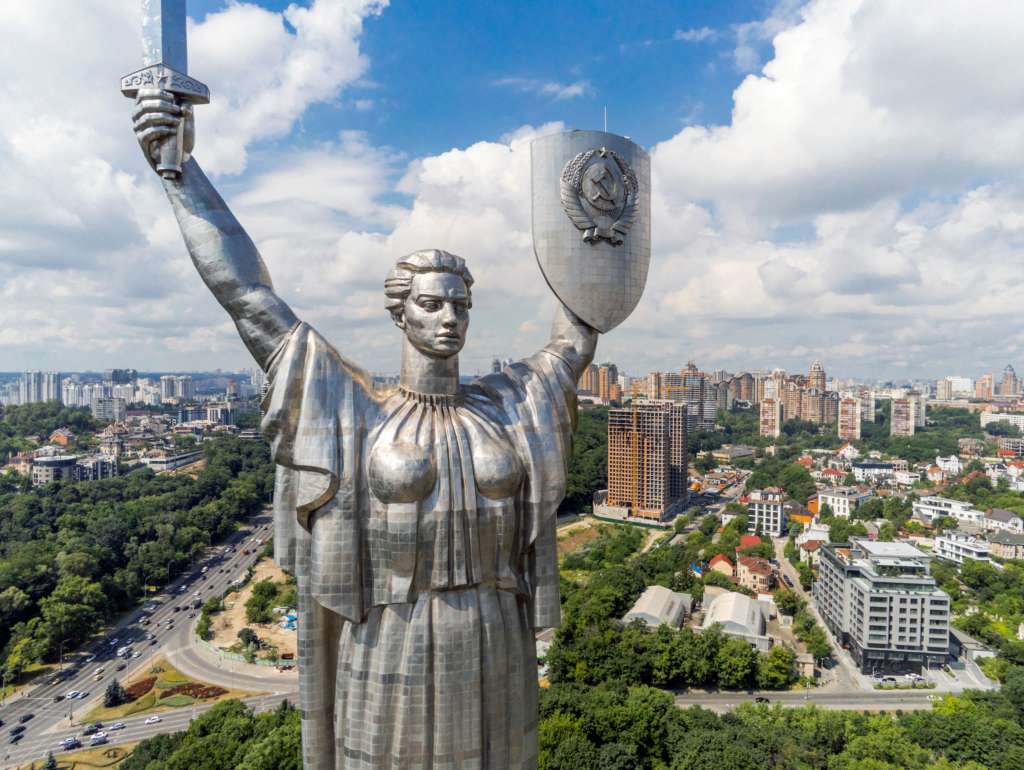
(420, 521)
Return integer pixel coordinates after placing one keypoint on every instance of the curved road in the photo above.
(56, 717)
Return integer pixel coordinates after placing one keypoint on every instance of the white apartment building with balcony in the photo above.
(766, 512)
(843, 500)
(960, 546)
(927, 509)
(880, 600)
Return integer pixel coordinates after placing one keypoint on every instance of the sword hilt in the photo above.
(185, 89)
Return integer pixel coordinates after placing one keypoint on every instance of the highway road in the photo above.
(166, 618)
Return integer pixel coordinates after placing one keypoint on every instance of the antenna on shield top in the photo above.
(606, 120)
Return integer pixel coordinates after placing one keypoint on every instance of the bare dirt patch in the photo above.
(228, 623)
(574, 537)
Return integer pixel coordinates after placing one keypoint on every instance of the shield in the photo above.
(591, 211)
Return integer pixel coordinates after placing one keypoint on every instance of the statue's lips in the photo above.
(447, 336)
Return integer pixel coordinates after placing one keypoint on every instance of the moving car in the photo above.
(26, 717)
(116, 726)
(151, 720)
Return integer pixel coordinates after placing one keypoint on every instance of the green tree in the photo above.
(736, 664)
(248, 637)
(114, 695)
(775, 669)
(789, 601)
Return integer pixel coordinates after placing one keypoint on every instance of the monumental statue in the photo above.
(419, 521)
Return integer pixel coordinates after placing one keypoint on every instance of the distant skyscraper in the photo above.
(607, 375)
(771, 418)
(167, 382)
(902, 420)
(647, 457)
(184, 387)
(588, 382)
(867, 405)
(920, 408)
(816, 377)
(849, 419)
(109, 409)
(944, 389)
(1010, 386)
(984, 386)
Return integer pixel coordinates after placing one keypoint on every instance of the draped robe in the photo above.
(421, 531)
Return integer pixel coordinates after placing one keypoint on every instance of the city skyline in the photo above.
(797, 211)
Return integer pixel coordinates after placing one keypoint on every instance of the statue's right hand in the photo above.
(156, 118)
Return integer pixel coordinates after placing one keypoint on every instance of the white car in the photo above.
(71, 694)
(151, 720)
(100, 734)
(136, 654)
(116, 726)
(90, 658)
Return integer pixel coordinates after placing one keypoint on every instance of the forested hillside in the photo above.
(72, 555)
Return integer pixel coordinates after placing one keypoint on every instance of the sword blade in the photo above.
(164, 36)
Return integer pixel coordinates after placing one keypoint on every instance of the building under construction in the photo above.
(647, 459)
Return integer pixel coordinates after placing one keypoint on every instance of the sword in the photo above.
(165, 66)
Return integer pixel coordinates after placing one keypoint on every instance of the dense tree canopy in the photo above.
(72, 554)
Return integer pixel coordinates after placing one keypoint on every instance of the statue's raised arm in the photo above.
(221, 250)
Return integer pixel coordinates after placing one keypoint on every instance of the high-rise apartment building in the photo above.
(111, 408)
(867, 405)
(881, 602)
(647, 458)
(902, 419)
(184, 387)
(944, 389)
(767, 512)
(37, 387)
(816, 377)
(1010, 385)
(120, 376)
(920, 407)
(167, 388)
(791, 399)
(849, 419)
(984, 386)
(771, 418)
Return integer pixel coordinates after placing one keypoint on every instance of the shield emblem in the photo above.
(591, 199)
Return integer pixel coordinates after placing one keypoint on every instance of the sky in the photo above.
(836, 180)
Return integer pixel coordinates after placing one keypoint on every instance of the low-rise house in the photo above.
(873, 471)
(62, 437)
(721, 564)
(1006, 545)
(748, 541)
(958, 547)
(755, 573)
(809, 550)
(906, 478)
(848, 452)
(950, 465)
(935, 474)
(998, 519)
(740, 617)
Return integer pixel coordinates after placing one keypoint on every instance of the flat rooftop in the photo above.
(879, 550)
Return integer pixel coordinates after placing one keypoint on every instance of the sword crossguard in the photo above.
(185, 89)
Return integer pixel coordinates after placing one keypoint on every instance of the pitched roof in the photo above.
(756, 564)
(746, 541)
(1005, 538)
(811, 545)
(1000, 514)
(718, 559)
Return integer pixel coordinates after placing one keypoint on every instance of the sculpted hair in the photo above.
(398, 284)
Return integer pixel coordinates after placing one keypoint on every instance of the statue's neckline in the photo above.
(433, 399)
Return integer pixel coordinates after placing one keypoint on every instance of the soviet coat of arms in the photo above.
(599, 193)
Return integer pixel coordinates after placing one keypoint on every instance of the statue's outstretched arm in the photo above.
(568, 331)
(221, 250)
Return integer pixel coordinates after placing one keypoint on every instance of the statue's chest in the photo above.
(441, 455)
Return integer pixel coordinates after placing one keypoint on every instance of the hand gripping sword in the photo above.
(165, 66)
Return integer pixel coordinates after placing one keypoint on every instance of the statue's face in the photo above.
(436, 314)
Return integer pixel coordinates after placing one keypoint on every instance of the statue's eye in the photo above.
(431, 305)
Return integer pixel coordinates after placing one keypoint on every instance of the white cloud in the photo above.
(553, 89)
(861, 205)
(695, 35)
